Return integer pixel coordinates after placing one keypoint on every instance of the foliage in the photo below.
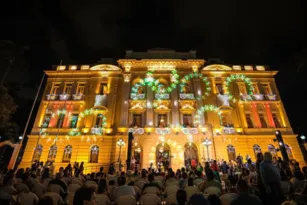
(7, 107)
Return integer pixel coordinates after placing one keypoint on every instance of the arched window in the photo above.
(52, 153)
(94, 154)
(231, 152)
(289, 151)
(272, 150)
(257, 149)
(67, 153)
(163, 155)
(37, 152)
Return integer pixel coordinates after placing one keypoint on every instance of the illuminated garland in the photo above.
(232, 78)
(206, 108)
(154, 84)
(190, 76)
(74, 132)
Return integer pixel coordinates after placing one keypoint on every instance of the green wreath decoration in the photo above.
(190, 76)
(235, 77)
(154, 84)
(206, 108)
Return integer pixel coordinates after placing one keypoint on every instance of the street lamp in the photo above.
(120, 143)
(207, 142)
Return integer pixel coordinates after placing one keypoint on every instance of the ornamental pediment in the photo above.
(105, 67)
(217, 67)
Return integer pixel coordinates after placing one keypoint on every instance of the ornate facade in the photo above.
(173, 104)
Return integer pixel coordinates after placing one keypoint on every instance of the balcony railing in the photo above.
(258, 96)
(100, 100)
(96, 130)
(78, 96)
(190, 131)
(270, 97)
(228, 130)
(163, 131)
(139, 131)
(51, 96)
(64, 96)
(162, 96)
(186, 96)
(136, 96)
(246, 97)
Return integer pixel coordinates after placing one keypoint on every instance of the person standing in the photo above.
(193, 163)
(271, 180)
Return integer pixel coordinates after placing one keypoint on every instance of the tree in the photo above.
(7, 108)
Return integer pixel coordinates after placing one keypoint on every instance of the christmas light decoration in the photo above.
(243, 78)
(190, 76)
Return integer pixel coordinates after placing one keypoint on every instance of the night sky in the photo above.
(260, 32)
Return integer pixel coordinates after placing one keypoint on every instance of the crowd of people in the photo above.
(266, 181)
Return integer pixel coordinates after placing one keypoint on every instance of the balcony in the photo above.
(97, 130)
(100, 100)
(139, 131)
(270, 97)
(186, 96)
(228, 130)
(136, 96)
(64, 97)
(78, 97)
(162, 96)
(190, 131)
(258, 96)
(246, 97)
(163, 131)
(51, 96)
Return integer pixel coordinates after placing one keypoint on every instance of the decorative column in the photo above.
(111, 100)
(256, 116)
(42, 111)
(198, 96)
(149, 110)
(285, 121)
(175, 106)
(124, 110)
(242, 115)
(269, 114)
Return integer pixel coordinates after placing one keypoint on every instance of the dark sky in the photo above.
(238, 32)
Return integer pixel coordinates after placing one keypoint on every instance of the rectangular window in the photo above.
(276, 120)
(242, 88)
(219, 88)
(74, 121)
(67, 88)
(137, 120)
(162, 120)
(263, 121)
(99, 121)
(55, 88)
(266, 89)
(187, 120)
(103, 89)
(255, 88)
(249, 121)
(80, 88)
(46, 120)
(60, 120)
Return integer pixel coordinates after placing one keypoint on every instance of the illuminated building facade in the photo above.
(176, 106)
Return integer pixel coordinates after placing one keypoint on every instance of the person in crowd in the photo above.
(244, 196)
(193, 163)
(210, 182)
(198, 178)
(46, 200)
(76, 168)
(58, 180)
(198, 199)
(214, 200)
(103, 187)
(183, 180)
(297, 181)
(271, 180)
(181, 197)
(207, 167)
(151, 183)
(84, 196)
(8, 186)
(224, 168)
(122, 189)
(304, 169)
(200, 168)
(171, 180)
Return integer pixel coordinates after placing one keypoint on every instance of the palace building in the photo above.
(178, 108)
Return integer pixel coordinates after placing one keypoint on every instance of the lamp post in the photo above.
(207, 142)
(120, 143)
